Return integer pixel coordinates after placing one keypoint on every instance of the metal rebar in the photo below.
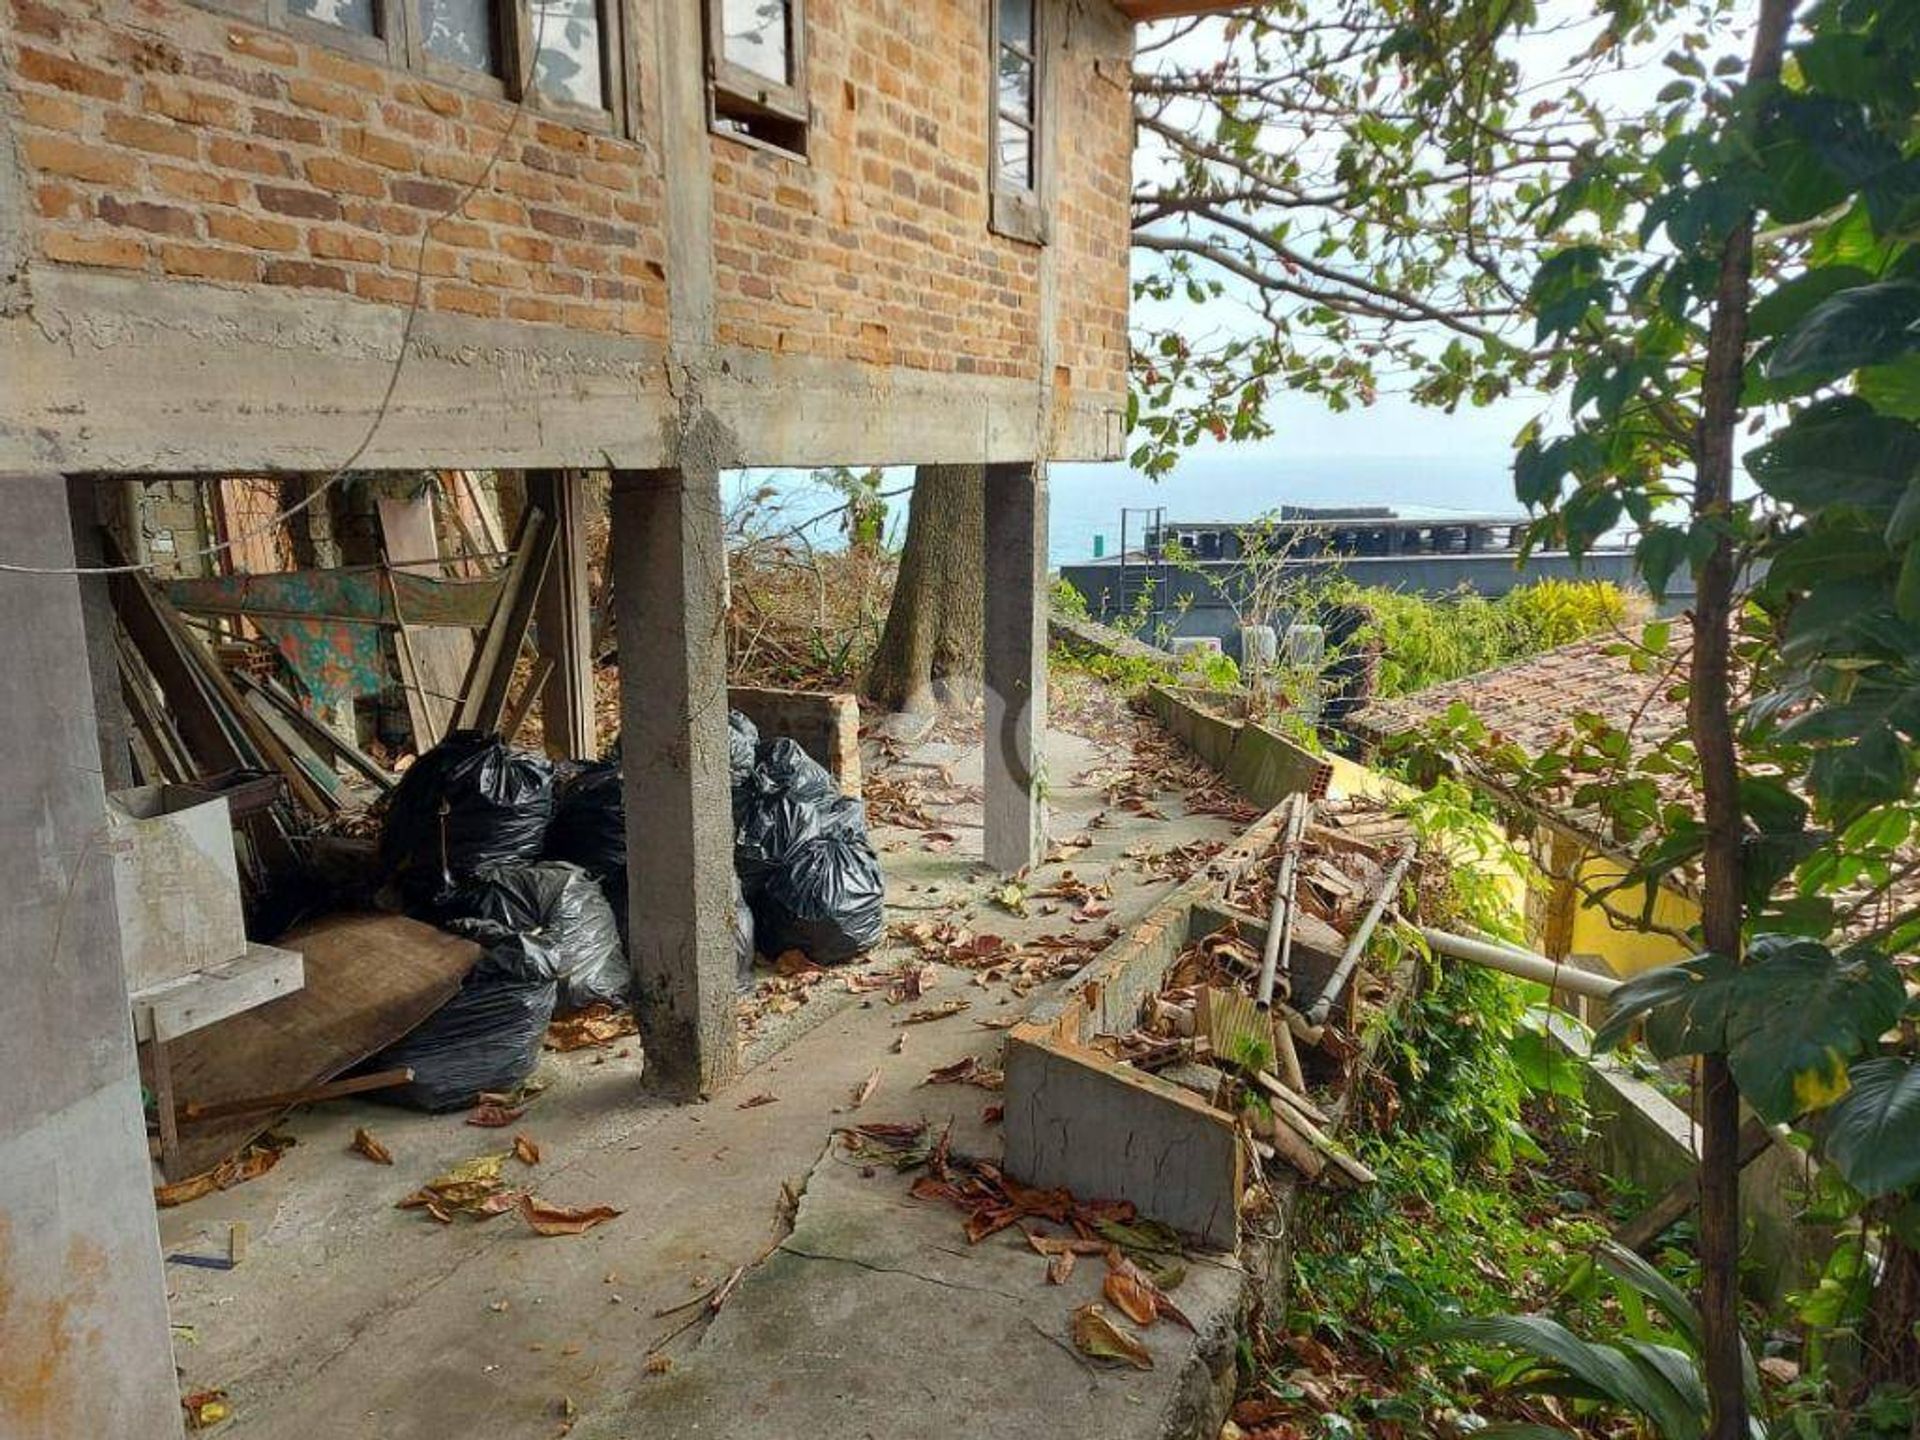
(1356, 947)
(1282, 895)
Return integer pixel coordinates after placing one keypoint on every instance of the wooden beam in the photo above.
(483, 699)
(563, 618)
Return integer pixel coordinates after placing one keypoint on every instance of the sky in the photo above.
(1392, 452)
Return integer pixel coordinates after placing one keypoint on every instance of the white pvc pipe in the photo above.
(1523, 963)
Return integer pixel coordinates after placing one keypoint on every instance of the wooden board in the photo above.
(369, 980)
(433, 658)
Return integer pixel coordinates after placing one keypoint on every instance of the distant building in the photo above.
(1189, 577)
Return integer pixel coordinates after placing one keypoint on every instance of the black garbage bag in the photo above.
(487, 1037)
(470, 802)
(742, 937)
(562, 908)
(743, 744)
(590, 820)
(783, 767)
(827, 898)
(788, 800)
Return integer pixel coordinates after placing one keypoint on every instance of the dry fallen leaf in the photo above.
(526, 1150)
(249, 1164)
(1060, 1267)
(1095, 1334)
(1130, 1294)
(595, 1025)
(547, 1219)
(754, 1101)
(863, 1092)
(935, 1012)
(365, 1144)
(659, 1364)
(206, 1409)
(495, 1117)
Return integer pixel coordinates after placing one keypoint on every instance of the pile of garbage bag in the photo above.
(557, 907)
(805, 863)
(486, 1038)
(531, 862)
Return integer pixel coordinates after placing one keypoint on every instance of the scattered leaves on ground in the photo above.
(966, 1071)
(549, 1219)
(206, 1409)
(904, 1146)
(1096, 1335)
(526, 1150)
(597, 1025)
(495, 1117)
(365, 1144)
(251, 1163)
(935, 1012)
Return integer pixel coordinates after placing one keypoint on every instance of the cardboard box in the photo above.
(176, 882)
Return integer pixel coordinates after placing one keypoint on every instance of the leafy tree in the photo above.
(1774, 278)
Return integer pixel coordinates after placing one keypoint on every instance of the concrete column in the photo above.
(1016, 665)
(83, 1308)
(667, 565)
(563, 618)
(103, 661)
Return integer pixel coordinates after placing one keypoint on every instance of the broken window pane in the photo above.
(1016, 23)
(461, 31)
(756, 35)
(356, 15)
(1016, 154)
(567, 63)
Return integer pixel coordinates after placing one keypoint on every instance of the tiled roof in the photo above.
(1533, 702)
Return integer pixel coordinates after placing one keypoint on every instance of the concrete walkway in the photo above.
(349, 1318)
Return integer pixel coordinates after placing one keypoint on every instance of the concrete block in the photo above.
(1107, 1132)
(176, 882)
(826, 726)
(1267, 767)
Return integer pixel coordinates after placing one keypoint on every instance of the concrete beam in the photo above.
(1016, 665)
(83, 1307)
(668, 581)
(563, 618)
(117, 375)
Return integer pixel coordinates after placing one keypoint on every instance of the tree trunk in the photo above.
(930, 651)
(1710, 719)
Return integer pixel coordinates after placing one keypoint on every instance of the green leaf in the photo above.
(1685, 1006)
(1798, 1014)
(1868, 325)
(1873, 770)
(1894, 389)
(1604, 1369)
(1873, 1133)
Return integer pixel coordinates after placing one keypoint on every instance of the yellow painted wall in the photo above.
(1628, 952)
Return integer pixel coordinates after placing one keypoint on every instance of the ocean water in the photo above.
(1216, 484)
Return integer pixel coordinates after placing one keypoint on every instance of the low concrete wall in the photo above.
(1637, 1135)
(826, 726)
(1260, 763)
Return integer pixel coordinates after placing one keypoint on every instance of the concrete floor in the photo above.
(350, 1318)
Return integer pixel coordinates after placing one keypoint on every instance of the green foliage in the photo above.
(1067, 600)
(1789, 1021)
(1424, 641)
(1134, 673)
(1652, 1370)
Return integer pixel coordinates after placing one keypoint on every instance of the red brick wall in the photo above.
(878, 249)
(171, 140)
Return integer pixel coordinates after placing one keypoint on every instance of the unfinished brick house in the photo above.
(646, 236)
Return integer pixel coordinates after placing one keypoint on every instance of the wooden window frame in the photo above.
(1018, 212)
(735, 92)
(399, 44)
